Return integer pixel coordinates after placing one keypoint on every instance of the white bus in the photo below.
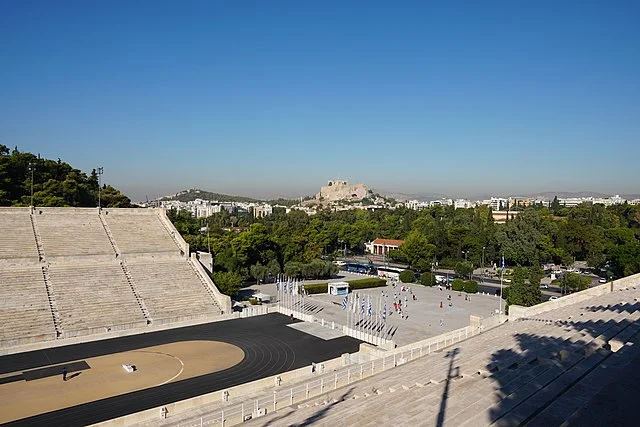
(390, 272)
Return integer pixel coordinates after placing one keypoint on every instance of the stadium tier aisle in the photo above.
(508, 375)
(171, 289)
(16, 235)
(139, 232)
(91, 296)
(72, 233)
(24, 307)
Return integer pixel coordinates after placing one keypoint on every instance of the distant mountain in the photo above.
(409, 196)
(566, 194)
(194, 193)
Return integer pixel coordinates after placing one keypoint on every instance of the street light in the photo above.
(482, 272)
(31, 169)
(100, 172)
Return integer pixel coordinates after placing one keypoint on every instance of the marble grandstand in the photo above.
(68, 272)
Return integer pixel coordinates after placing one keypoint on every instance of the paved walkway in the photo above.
(424, 314)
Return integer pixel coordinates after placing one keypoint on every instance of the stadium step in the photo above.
(132, 285)
(55, 314)
(36, 235)
(112, 240)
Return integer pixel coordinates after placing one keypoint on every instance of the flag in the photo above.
(278, 284)
(362, 306)
(503, 264)
(369, 308)
(302, 288)
(345, 301)
(384, 311)
(290, 286)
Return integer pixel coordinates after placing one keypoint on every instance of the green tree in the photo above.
(259, 272)
(407, 276)
(463, 269)
(457, 285)
(417, 250)
(427, 279)
(228, 282)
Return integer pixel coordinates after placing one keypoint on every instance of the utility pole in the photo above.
(100, 172)
(31, 169)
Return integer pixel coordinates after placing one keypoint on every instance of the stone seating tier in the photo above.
(172, 289)
(17, 239)
(93, 296)
(24, 305)
(74, 234)
(140, 234)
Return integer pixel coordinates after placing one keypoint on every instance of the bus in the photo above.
(390, 272)
(355, 267)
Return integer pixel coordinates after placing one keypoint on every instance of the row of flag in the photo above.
(289, 285)
(352, 305)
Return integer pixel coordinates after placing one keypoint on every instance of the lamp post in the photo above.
(100, 172)
(482, 271)
(31, 169)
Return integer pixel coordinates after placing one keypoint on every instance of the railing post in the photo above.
(274, 400)
(348, 376)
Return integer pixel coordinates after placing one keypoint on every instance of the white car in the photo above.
(602, 280)
(552, 298)
(544, 286)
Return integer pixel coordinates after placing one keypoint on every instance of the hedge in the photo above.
(457, 285)
(427, 279)
(323, 288)
(471, 287)
(407, 276)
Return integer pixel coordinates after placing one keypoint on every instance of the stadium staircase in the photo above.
(52, 301)
(38, 239)
(112, 240)
(205, 285)
(136, 293)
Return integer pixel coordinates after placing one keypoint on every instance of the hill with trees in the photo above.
(194, 193)
(55, 183)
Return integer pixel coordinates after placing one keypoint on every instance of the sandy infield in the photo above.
(155, 366)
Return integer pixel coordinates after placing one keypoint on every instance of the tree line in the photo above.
(55, 183)
(606, 238)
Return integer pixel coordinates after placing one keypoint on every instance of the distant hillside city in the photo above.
(339, 195)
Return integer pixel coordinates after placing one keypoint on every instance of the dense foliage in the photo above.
(407, 276)
(55, 183)
(605, 237)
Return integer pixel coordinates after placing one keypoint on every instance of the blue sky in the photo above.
(273, 98)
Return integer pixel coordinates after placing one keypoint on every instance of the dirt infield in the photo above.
(106, 377)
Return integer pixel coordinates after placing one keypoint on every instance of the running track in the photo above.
(270, 348)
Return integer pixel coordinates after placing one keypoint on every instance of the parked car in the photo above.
(544, 286)
(552, 298)
(602, 280)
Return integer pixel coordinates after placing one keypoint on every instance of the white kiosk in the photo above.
(338, 288)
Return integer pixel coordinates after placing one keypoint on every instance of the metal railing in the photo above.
(249, 409)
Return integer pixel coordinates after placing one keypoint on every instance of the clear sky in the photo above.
(275, 97)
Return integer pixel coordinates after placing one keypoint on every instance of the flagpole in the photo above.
(501, 276)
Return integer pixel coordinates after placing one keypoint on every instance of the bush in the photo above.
(457, 285)
(318, 288)
(471, 287)
(407, 276)
(254, 301)
(372, 282)
(427, 279)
